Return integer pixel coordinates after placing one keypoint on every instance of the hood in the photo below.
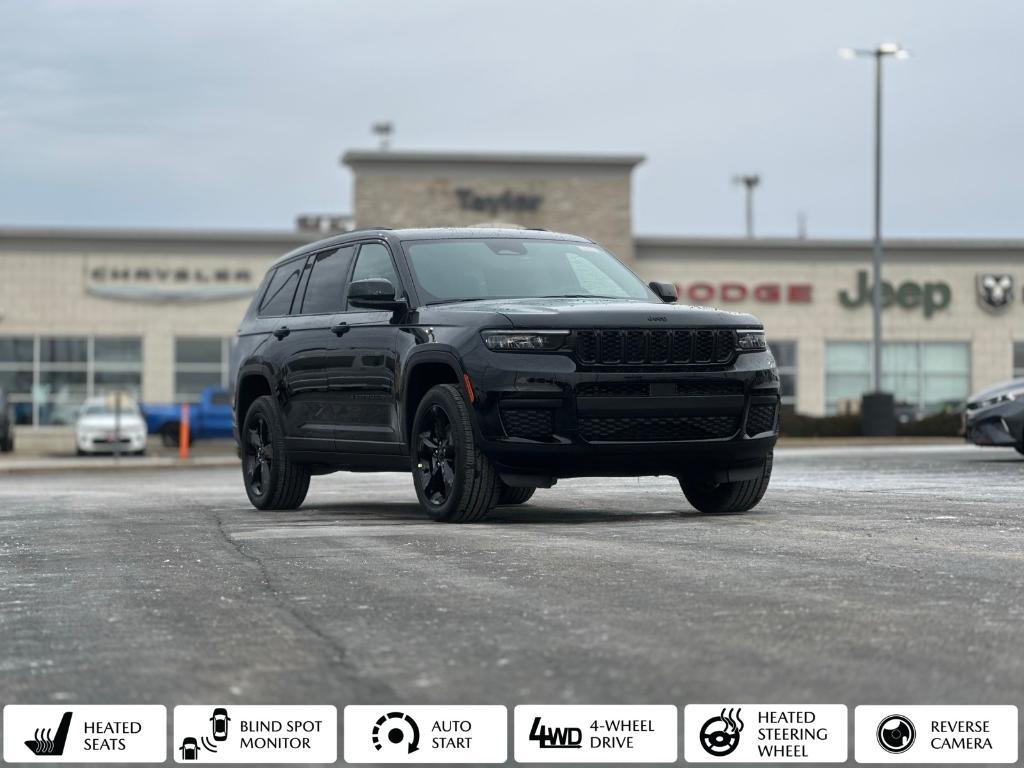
(998, 389)
(107, 421)
(608, 313)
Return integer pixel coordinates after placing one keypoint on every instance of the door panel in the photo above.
(299, 359)
(360, 368)
(361, 365)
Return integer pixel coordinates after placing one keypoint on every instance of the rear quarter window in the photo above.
(277, 299)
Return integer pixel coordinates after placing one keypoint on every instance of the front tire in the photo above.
(271, 480)
(454, 481)
(737, 496)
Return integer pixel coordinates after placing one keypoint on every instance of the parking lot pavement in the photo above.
(866, 576)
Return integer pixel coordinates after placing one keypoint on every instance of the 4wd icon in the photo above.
(995, 291)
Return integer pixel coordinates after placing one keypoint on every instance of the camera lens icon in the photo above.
(896, 734)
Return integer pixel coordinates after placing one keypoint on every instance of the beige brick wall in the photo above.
(593, 205)
(45, 293)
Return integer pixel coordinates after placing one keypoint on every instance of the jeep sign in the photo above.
(931, 297)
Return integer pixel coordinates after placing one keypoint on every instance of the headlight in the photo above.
(523, 341)
(1005, 397)
(751, 341)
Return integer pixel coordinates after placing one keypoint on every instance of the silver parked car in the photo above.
(995, 416)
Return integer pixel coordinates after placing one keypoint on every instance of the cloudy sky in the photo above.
(224, 114)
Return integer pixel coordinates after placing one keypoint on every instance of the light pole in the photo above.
(885, 423)
(750, 182)
(383, 131)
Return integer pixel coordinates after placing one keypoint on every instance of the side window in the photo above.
(278, 298)
(375, 261)
(325, 291)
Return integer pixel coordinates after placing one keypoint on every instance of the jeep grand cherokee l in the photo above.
(490, 363)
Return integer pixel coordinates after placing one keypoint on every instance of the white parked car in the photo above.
(101, 429)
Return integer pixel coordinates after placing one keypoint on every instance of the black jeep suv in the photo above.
(490, 363)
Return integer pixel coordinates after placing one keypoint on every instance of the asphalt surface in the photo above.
(866, 576)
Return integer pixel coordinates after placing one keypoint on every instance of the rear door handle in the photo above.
(282, 332)
(340, 329)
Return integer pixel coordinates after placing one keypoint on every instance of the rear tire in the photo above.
(509, 495)
(272, 481)
(454, 481)
(737, 496)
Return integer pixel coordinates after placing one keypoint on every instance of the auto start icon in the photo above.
(721, 735)
(896, 734)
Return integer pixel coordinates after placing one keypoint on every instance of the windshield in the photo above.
(104, 409)
(503, 268)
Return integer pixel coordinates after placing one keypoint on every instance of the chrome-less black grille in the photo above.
(657, 428)
(655, 347)
(660, 388)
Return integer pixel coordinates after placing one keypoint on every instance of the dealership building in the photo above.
(84, 312)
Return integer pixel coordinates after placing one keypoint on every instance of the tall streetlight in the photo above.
(878, 416)
(750, 182)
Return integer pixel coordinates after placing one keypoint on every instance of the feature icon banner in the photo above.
(255, 734)
(935, 734)
(596, 734)
(85, 733)
(426, 734)
(765, 733)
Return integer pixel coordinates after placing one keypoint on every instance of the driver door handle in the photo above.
(281, 332)
(340, 329)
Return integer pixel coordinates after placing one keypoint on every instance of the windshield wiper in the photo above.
(580, 296)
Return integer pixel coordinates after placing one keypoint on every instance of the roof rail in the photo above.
(367, 229)
(537, 229)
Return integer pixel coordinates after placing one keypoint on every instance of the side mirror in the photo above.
(666, 292)
(374, 293)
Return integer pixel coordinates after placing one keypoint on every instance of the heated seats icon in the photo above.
(48, 743)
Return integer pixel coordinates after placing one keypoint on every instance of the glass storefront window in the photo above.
(924, 377)
(47, 378)
(55, 349)
(199, 362)
(117, 349)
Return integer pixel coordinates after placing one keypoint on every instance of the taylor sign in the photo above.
(929, 297)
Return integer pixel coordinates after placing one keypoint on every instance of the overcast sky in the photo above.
(233, 115)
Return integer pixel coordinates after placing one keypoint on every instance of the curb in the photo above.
(33, 467)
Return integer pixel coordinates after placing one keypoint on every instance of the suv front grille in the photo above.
(655, 347)
(660, 388)
(656, 428)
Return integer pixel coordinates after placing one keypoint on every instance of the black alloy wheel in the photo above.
(435, 452)
(455, 482)
(272, 480)
(259, 455)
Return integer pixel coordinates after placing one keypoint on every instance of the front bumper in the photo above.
(999, 425)
(538, 415)
(107, 443)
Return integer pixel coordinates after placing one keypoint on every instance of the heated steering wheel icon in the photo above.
(721, 735)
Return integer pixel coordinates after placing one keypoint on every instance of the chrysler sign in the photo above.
(169, 284)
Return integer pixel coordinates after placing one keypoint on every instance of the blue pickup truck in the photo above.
(209, 418)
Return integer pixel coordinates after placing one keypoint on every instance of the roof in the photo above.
(431, 233)
(390, 156)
